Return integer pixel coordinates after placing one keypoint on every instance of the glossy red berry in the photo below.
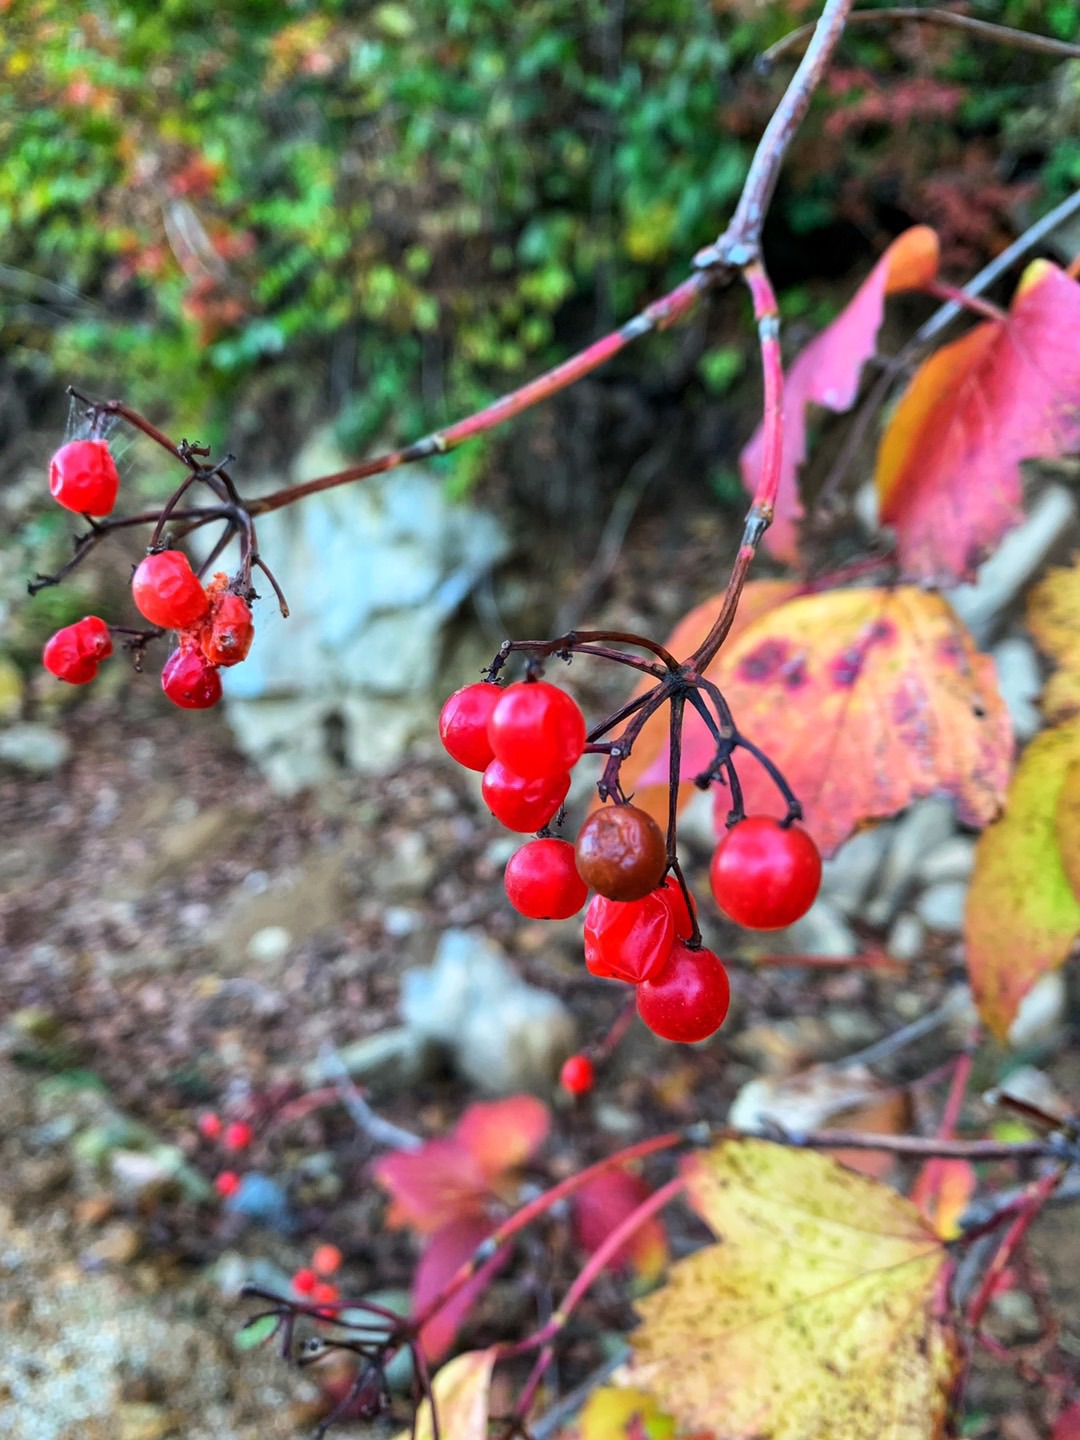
(521, 804)
(237, 1135)
(226, 638)
(209, 1125)
(190, 682)
(168, 592)
(542, 880)
(765, 875)
(621, 852)
(537, 730)
(326, 1260)
(682, 914)
(628, 939)
(83, 478)
(227, 1183)
(688, 999)
(577, 1076)
(304, 1281)
(463, 724)
(72, 654)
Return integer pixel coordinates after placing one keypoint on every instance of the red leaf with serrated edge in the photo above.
(447, 1250)
(827, 373)
(948, 476)
(604, 1203)
(504, 1134)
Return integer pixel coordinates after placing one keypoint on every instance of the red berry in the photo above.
(682, 914)
(72, 654)
(83, 478)
(621, 852)
(463, 724)
(209, 1125)
(168, 592)
(628, 939)
(577, 1076)
(190, 682)
(227, 638)
(326, 1260)
(542, 881)
(237, 1135)
(537, 730)
(765, 875)
(304, 1281)
(521, 804)
(688, 999)
(325, 1294)
(227, 1183)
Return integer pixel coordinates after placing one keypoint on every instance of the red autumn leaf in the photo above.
(604, 1203)
(866, 700)
(943, 1191)
(948, 475)
(501, 1136)
(447, 1250)
(827, 373)
(1067, 1425)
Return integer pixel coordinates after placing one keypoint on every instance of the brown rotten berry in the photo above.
(621, 853)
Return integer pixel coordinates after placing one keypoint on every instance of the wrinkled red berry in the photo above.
(537, 730)
(765, 875)
(72, 654)
(522, 804)
(83, 477)
(621, 852)
(542, 880)
(688, 999)
(226, 637)
(577, 1076)
(190, 682)
(682, 914)
(168, 592)
(628, 939)
(463, 724)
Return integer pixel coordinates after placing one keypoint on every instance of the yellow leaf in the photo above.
(461, 1400)
(610, 1413)
(814, 1318)
(1054, 621)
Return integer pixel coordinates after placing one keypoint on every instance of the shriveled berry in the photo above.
(688, 999)
(209, 1125)
(765, 875)
(326, 1260)
(621, 852)
(227, 1183)
(537, 729)
(190, 682)
(542, 881)
(577, 1076)
(168, 592)
(83, 477)
(304, 1281)
(522, 804)
(72, 654)
(463, 724)
(237, 1135)
(628, 939)
(683, 915)
(226, 638)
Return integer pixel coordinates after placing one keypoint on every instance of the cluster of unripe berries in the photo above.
(641, 924)
(213, 624)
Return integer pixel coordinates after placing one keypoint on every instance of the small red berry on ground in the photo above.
(326, 1260)
(688, 999)
(168, 592)
(519, 803)
(226, 638)
(190, 682)
(73, 653)
(304, 1281)
(227, 1183)
(237, 1135)
(577, 1076)
(463, 724)
(621, 852)
(765, 875)
(537, 730)
(209, 1125)
(542, 880)
(83, 477)
(628, 939)
(326, 1295)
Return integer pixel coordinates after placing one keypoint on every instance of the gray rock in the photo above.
(954, 859)
(1041, 1014)
(34, 748)
(387, 1063)
(821, 931)
(263, 1201)
(907, 937)
(922, 827)
(847, 878)
(941, 906)
(1020, 683)
(269, 945)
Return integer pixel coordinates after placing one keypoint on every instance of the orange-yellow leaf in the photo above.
(814, 1318)
(943, 1192)
(461, 1399)
(866, 700)
(948, 475)
(1053, 617)
(1022, 913)
(827, 373)
(615, 1414)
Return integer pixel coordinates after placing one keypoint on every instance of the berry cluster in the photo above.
(212, 622)
(312, 1282)
(234, 1136)
(641, 923)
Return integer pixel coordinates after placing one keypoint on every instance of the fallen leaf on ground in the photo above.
(1053, 617)
(460, 1390)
